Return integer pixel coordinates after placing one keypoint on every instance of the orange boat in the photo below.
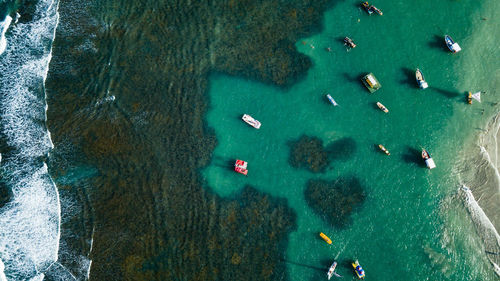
(328, 240)
(241, 167)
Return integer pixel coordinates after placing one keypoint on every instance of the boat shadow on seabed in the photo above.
(438, 43)
(413, 155)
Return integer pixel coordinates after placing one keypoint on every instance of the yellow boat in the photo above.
(328, 240)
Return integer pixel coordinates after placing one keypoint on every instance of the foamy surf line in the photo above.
(30, 221)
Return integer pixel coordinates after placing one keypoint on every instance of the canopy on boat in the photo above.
(477, 96)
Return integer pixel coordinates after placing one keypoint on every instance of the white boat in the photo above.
(452, 45)
(382, 107)
(420, 79)
(332, 101)
(428, 159)
(331, 270)
(251, 121)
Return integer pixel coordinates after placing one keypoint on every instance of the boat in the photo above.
(371, 82)
(382, 107)
(384, 149)
(331, 271)
(420, 79)
(376, 10)
(476, 96)
(251, 121)
(370, 8)
(326, 238)
(332, 101)
(428, 159)
(358, 269)
(452, 45)
(349, 43)
(240, 166)
(367, 7)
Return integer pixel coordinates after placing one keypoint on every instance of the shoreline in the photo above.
(480, 173)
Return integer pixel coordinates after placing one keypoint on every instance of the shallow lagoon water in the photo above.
(411, 224)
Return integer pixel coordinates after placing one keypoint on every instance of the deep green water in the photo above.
(411, 226)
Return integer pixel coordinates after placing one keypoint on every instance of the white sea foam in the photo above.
(3, 28)
(30, 221)
(485, 229)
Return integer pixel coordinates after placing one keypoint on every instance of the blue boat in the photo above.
(332, 101)
(452, 45)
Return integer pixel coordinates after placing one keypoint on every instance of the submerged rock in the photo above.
(336, 200)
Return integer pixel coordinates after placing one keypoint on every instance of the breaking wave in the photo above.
(30, 220)
(481, 178)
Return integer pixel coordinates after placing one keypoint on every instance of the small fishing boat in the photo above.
(420, 79)
(382, 107)
(241, 167)
(326, 238)
(452, 45)
(428, 159)
(476, 96)
(376, 10)
(370, 8)
(251, 121)
(332, 101)
(331, 271)
(349, 43)
(367, 7)
(371, 82)
(358, 269)
(384, 149)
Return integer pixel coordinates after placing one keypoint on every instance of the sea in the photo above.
(120, 122)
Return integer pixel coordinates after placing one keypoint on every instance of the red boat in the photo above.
(241, 167)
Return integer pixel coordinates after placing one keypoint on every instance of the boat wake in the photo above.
(30, 219)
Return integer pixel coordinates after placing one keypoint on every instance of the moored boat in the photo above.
(382, 107)
(428, 159)
(251, 121)
(326, 238)
(349, 43)
(332, 101)
(240, 166)
(452, 45)
(367, 7)
(376, 10)
(384, 149)
(331, 271)
(358, 270)
(371, 82)
(420, 79)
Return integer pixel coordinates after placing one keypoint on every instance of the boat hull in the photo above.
(326, 238)
(251, 121)
(371, 82)
(420, 79)
(452, 45)
(382, 107)
(358, 270)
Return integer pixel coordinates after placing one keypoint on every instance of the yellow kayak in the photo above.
(328, 240)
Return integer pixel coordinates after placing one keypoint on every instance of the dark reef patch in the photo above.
(308, 152)
(335, 201)
(126, 94)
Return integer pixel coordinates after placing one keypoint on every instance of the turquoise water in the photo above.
(411, 226)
